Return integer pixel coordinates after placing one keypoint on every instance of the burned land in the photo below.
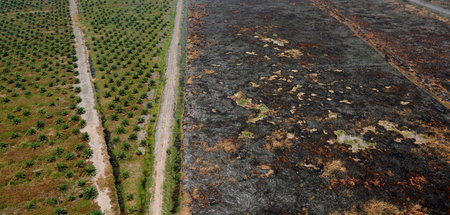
(289, 111)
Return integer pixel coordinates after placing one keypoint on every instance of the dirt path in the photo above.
(166, 117)
(100, 158)
(431, 7)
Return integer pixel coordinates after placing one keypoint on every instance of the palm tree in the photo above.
(40, 124)
(90, 193)
(60, 211)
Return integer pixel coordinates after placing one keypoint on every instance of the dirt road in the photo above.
(432, 7)
(100, 158)
(166, 117)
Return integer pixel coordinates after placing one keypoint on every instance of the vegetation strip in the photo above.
(103, 178)
(166, 116)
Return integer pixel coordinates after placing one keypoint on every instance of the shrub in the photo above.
(125, 174)
(26, 113)
(30, 131)
(79, 147)
(114, 116)
(40, 124)
(52, 201)
(141, 120)
(42, 137)
(28, 163)
(80, 110)
(126, 146)
(75, 118)
(85, 136)
(75, 131)
(70, 156)
(143, 143)
(62, 187)
(90, 170)
(16, 121)
(139, 152)
(115, 140)
(121, 155)
(130, 115)
(130, 197)
(133, 209)
(79, 164)
(30, 205)
(60, 211)
(90, 193)
(61, 167)
(14, 135)
(96, 212)
(121, 129)
(87, 153)
(136, 128)
(3, 145)
(59, 151)
(59, 121)
(81, 183)
(83, 123)
(69, 174)
(133, 136)
(20, 175)
(51, 159)
(37, 173)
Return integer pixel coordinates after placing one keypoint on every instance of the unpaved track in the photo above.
(100, 158)
(432, 7)
(166, 117)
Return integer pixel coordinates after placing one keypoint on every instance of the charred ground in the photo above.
(412, 38)
(287, 111)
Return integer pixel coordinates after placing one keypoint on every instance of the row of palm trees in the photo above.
(40, 118)
(125, 39)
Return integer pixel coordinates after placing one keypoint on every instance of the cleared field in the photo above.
(43, 155)
(288, 111)
(127, 42)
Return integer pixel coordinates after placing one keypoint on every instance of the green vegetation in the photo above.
(246, 134)
(356, 143)
(127, 41)
(172, 185)
(39, 118)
